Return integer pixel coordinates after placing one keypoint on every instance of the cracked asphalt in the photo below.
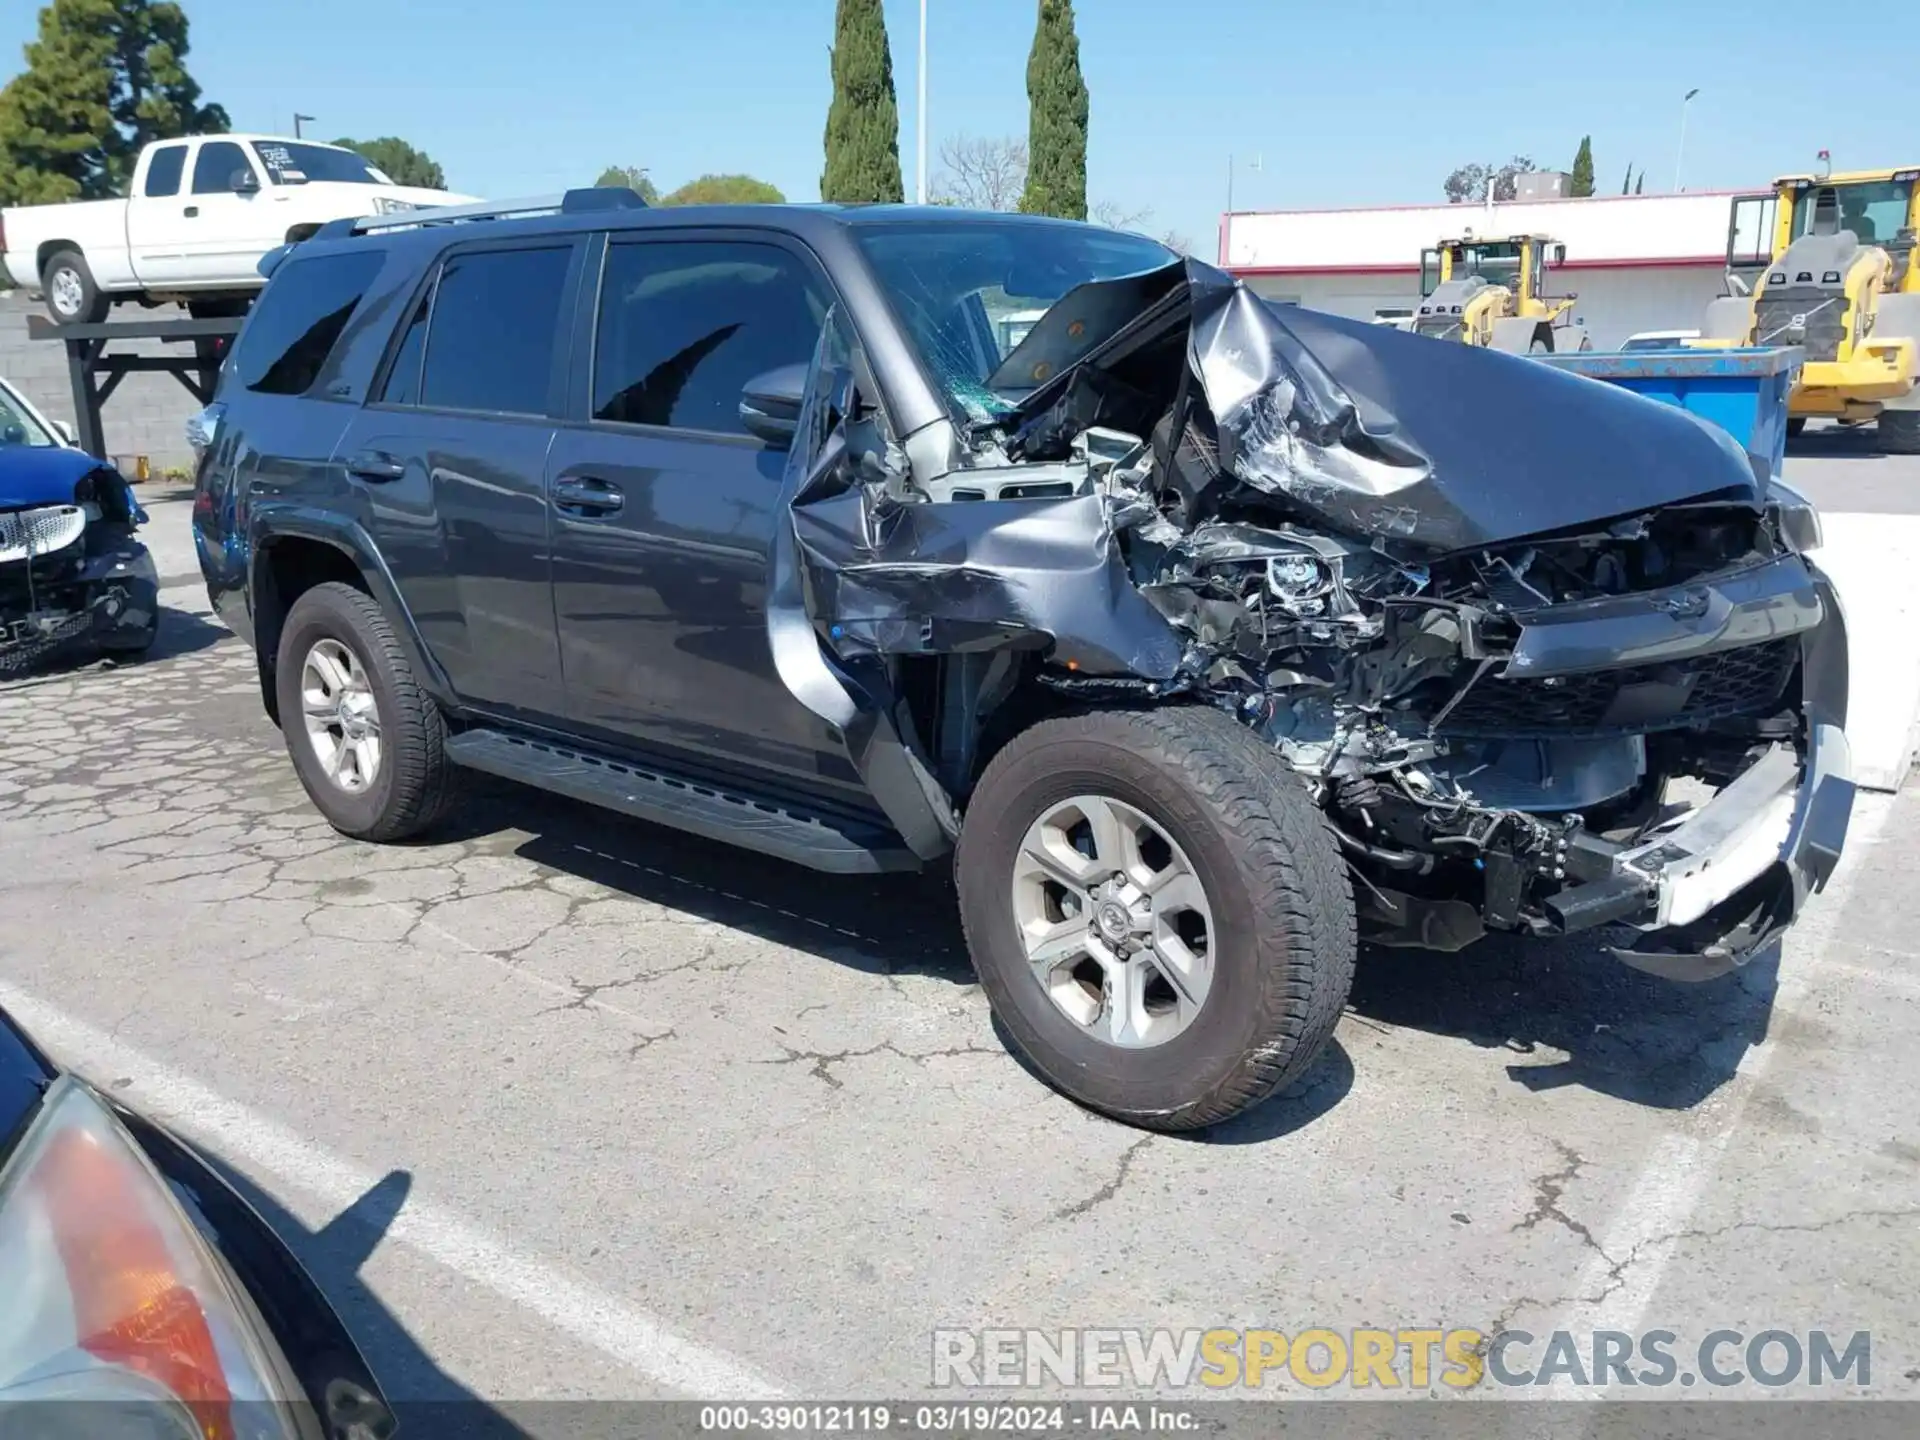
(769, 1108)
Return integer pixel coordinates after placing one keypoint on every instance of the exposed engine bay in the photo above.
(71, 569)
(1496, 618)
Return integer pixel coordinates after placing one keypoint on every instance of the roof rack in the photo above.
(571, 202)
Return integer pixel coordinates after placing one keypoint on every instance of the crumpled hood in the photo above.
(41, 475)
(1444, 446)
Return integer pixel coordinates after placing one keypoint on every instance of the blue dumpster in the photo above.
(1743, 391)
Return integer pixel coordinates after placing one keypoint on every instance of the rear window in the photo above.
(164, 169)
(491, 341)
(296, 322)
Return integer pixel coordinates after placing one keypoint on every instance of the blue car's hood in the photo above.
(41, 475)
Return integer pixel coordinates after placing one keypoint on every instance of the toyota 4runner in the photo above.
(1198, 635)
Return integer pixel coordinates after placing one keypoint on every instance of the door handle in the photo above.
(375, 465)
(191, 212)
(586, 495)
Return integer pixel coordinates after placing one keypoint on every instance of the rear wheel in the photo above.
(368, 743)
(1158, 914)
(1900, 432)
(71, 294)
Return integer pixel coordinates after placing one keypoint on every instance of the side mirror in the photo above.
(65, 432)
(770, 403)
(1557, 255)
(243, 182)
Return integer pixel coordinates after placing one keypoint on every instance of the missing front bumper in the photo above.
(1730, 877)
(109, 597)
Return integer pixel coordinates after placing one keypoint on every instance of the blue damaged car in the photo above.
(71, 570)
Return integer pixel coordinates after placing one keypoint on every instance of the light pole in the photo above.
(1680, 155)
(1254, 164)
(920, 180)
(297, 118)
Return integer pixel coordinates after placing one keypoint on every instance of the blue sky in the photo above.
(1364, 102)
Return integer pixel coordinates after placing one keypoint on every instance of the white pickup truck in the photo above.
(201, 214)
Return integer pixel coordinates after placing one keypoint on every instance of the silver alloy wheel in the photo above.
(342, 715)
(66, 292)
(1114, 921)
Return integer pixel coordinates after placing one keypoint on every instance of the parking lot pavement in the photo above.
(556, 1104)
(1845, 471)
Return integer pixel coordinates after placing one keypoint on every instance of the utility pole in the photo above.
(297, 119)
(1680, 155)
(920, 180)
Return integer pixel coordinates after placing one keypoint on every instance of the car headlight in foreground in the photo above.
(121, 1318)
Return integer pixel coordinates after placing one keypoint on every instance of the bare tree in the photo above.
(1471, 182)
(1176, 242)
(981, 172)
(1116, 216)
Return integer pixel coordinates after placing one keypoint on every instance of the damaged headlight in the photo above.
(1794, 518)
(1300, 583)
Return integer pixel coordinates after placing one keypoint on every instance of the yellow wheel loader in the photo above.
(1832, 267)
(1492, 293)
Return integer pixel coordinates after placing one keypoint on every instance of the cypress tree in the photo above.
(1057, 118)
(1583, 168)
(102, 78)
(863, 124)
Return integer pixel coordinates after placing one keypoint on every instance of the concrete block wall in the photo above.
(146, 415)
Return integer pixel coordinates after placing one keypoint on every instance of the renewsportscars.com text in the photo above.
(1414, 1359)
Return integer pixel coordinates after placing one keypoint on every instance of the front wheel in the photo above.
(1159, 916)
(1900, 432)
(1796, 426)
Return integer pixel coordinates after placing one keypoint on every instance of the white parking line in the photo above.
(1618, 1285)
(259, 1145)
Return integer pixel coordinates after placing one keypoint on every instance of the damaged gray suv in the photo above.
(1201, 638)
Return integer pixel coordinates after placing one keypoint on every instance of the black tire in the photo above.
(1284, 952)
(1796, 426)
(90, 304)
(412, 785)
(1900, 432)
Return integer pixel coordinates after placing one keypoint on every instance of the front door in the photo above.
(664, 507)
(228, 217)
(452, 459)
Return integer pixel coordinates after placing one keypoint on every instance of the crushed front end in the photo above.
(1639, 727)
(71, 568)
(1549, 657)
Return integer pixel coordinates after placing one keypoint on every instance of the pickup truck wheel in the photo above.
(1159, 915)
(1900, 432)
(72, 297)
(368, 743)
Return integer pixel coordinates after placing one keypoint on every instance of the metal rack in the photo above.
(96, 371)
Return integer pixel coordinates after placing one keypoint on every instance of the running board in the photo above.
(834, 843)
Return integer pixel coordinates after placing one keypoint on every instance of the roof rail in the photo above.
(571, 202)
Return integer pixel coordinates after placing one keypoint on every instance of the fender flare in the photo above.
(274, 522)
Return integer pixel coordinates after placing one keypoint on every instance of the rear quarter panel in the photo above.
(96, 228)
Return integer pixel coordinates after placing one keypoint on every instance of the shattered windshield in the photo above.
(970, 292)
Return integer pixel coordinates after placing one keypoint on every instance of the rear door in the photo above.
(452, 458)
(664, 505)
(162, 216)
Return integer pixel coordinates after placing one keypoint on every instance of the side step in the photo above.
(834, 843)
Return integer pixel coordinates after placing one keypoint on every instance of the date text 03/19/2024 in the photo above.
(1099, 1418)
